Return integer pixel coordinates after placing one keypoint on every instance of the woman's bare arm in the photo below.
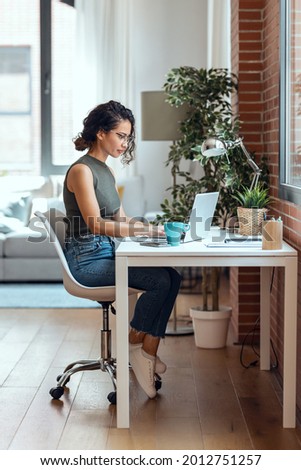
(80, 182)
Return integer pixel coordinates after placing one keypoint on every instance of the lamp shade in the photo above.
(160, 120)
(213, 147)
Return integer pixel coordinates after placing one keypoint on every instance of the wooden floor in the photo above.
(207, 401)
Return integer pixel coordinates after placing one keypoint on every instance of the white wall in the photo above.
(164, 34)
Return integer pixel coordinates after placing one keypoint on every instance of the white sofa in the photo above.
(25, 251)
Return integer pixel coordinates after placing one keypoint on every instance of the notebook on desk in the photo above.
(236, 241)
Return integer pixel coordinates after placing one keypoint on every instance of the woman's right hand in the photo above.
(156, 231)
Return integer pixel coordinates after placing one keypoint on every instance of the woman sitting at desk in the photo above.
(95, 216)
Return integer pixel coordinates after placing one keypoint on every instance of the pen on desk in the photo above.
(194, 240)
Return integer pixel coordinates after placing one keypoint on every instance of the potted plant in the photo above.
(208, 96)
(252, 209)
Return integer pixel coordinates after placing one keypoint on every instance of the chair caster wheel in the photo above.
(56, 392)
(158, 382)
(112, 397)
(59, 378)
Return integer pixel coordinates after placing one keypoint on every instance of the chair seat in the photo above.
(107, 293)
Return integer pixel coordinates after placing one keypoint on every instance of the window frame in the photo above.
(287, 191)
(47, 166)
(25, 111)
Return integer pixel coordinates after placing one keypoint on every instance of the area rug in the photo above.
(40, 295)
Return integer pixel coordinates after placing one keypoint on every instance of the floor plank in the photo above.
(15, 402)
(45, 419)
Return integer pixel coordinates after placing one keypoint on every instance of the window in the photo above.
(37, 51)
(58, 23)
(290, 101)
(19, 87)
(15, 105)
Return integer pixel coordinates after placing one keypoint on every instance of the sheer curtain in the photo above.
(219, 34)
(103, 60)
(218, 48)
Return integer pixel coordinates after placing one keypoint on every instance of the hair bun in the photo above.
(80, 143)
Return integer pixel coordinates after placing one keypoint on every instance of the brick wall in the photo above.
(247, 63)
(255, 59)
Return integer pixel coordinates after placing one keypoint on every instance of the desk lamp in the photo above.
(215, 147)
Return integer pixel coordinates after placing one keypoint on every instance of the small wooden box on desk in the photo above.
(272, 234)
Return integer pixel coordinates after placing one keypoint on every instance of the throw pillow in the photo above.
(9, 224)
(16, 205)
(43, 204)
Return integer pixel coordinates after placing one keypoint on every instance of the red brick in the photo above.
(250, 15)
(250, 36)
(251, 4)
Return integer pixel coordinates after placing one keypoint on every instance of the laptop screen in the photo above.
(201, 216)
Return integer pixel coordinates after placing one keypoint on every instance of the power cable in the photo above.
(252, 331)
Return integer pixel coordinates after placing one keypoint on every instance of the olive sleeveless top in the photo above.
(105, 192)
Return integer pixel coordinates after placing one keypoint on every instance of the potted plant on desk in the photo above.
(252, 209)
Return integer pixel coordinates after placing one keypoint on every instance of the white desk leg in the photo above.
(290, 343)
(122, 348)
(265, 279)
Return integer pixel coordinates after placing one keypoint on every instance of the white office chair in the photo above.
(54, 222)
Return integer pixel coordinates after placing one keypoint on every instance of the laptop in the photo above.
(200, 221)
(201, 216)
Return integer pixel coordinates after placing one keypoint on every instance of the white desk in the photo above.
(196, 254)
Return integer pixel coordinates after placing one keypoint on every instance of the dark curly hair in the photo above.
(106, 117)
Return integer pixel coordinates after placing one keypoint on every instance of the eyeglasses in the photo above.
(124, 139)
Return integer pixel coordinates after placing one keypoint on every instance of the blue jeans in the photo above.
(91, 259)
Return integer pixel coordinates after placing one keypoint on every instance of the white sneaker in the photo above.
(160, 366)
(144, 369)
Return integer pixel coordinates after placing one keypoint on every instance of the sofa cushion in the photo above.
(1, 269)
(27, 269)
(44, 204)
(28, 244)
(28, 183)
(10, 224)
(2, 239)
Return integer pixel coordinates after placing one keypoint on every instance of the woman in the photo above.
(95, 216)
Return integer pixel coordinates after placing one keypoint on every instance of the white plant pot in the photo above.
(210, 327)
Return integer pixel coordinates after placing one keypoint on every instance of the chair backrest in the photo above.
(54, 222)
(57, 221)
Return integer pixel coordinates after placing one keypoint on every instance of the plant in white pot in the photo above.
(210, 324)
